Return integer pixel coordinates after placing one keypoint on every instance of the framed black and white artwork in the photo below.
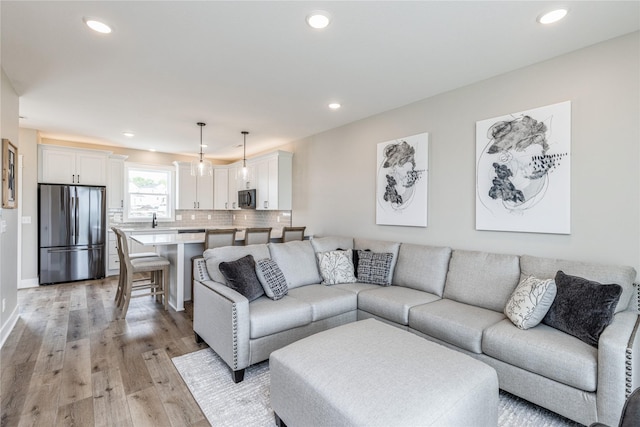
(401, 182)
(523, 171)
(9, 175)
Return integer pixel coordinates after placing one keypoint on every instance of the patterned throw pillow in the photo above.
(374, 267)
(336, 267)
(530, 301)
(271, 278)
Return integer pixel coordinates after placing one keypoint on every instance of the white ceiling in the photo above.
(257, 66)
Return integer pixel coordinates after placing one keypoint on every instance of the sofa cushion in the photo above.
(530, 301)
(336, 267)
(241, 277)
(544, 351)
(271, 278)
(546, 268)
(325, 301)
(422, 267)
(356, 287)
(379, 246)
(297, 260)
(267, 316)
(213, 258)
(454, 322)
(331, 243)
(374, 267)
(582, 308)
(482, 279)
(393, 302)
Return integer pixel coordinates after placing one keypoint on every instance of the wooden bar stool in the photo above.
(292, 233)
(118, 298)
(254, 236)
(156, 285)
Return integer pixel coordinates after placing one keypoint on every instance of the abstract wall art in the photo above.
(9, 175)
(401, 184)
(523, 171)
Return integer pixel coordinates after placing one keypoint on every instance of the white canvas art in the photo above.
(401, 184)
(523, 171)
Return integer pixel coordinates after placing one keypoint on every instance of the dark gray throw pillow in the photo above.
(582, 308)
(241, 277)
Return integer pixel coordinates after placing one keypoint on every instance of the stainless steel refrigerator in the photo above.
(72, 233)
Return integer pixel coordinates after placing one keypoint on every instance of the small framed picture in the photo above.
(9, 175)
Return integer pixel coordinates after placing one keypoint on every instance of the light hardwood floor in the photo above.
(70, 362)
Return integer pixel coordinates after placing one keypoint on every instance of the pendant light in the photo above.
(201, 166)
(244, 155)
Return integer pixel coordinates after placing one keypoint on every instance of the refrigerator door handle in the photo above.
(77, 224)
(53, 251)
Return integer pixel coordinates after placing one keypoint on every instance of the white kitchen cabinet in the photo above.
(221, 188)
(234, 172)
(63, 165)
(113, 261)
(115, 182)
(225, 187)
(248, 181)
(192, 192)
(274, 181)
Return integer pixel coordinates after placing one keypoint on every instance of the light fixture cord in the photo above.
(244, 152)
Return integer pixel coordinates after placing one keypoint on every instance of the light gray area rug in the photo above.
(225, 403)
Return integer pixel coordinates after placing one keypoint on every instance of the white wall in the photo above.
(8, 239)
(334, 172)
(29, 207)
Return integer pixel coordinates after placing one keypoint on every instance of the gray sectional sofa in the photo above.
(453, 297)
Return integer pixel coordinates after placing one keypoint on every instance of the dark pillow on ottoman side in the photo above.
(241, 277)
(582, 308)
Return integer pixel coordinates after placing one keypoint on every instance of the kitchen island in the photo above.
(178, 249)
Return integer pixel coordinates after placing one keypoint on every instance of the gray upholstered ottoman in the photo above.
(369, 373)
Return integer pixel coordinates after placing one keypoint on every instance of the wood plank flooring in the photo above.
(70, 362)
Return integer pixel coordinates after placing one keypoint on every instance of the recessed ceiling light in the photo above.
(318, 19)
(334, 105)
(152, 149)
(97, 26)
(553, 16)
(129, 134)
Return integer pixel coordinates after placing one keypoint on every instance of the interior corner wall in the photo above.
(29, 204)
(8, 239)
(335, 171)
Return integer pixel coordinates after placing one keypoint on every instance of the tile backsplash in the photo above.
(201, 218)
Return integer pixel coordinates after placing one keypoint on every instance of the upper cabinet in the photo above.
(192, 192)
(273, 178)
(270, 175)
(221, 188)
(115, 183)
(62, 165)
(225, 188)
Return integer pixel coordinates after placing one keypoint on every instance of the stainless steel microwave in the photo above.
(247, 199)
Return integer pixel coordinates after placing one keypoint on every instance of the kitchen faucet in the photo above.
(154, 221)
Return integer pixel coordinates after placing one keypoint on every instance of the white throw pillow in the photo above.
(336, 267)
(530, 301)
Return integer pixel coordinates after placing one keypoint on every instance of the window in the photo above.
(149, 190)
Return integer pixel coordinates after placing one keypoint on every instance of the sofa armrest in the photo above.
(221, 319)
(618, 365)
(200, 273)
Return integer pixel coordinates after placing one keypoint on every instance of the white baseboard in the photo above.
(8, 326)
(28, 283)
